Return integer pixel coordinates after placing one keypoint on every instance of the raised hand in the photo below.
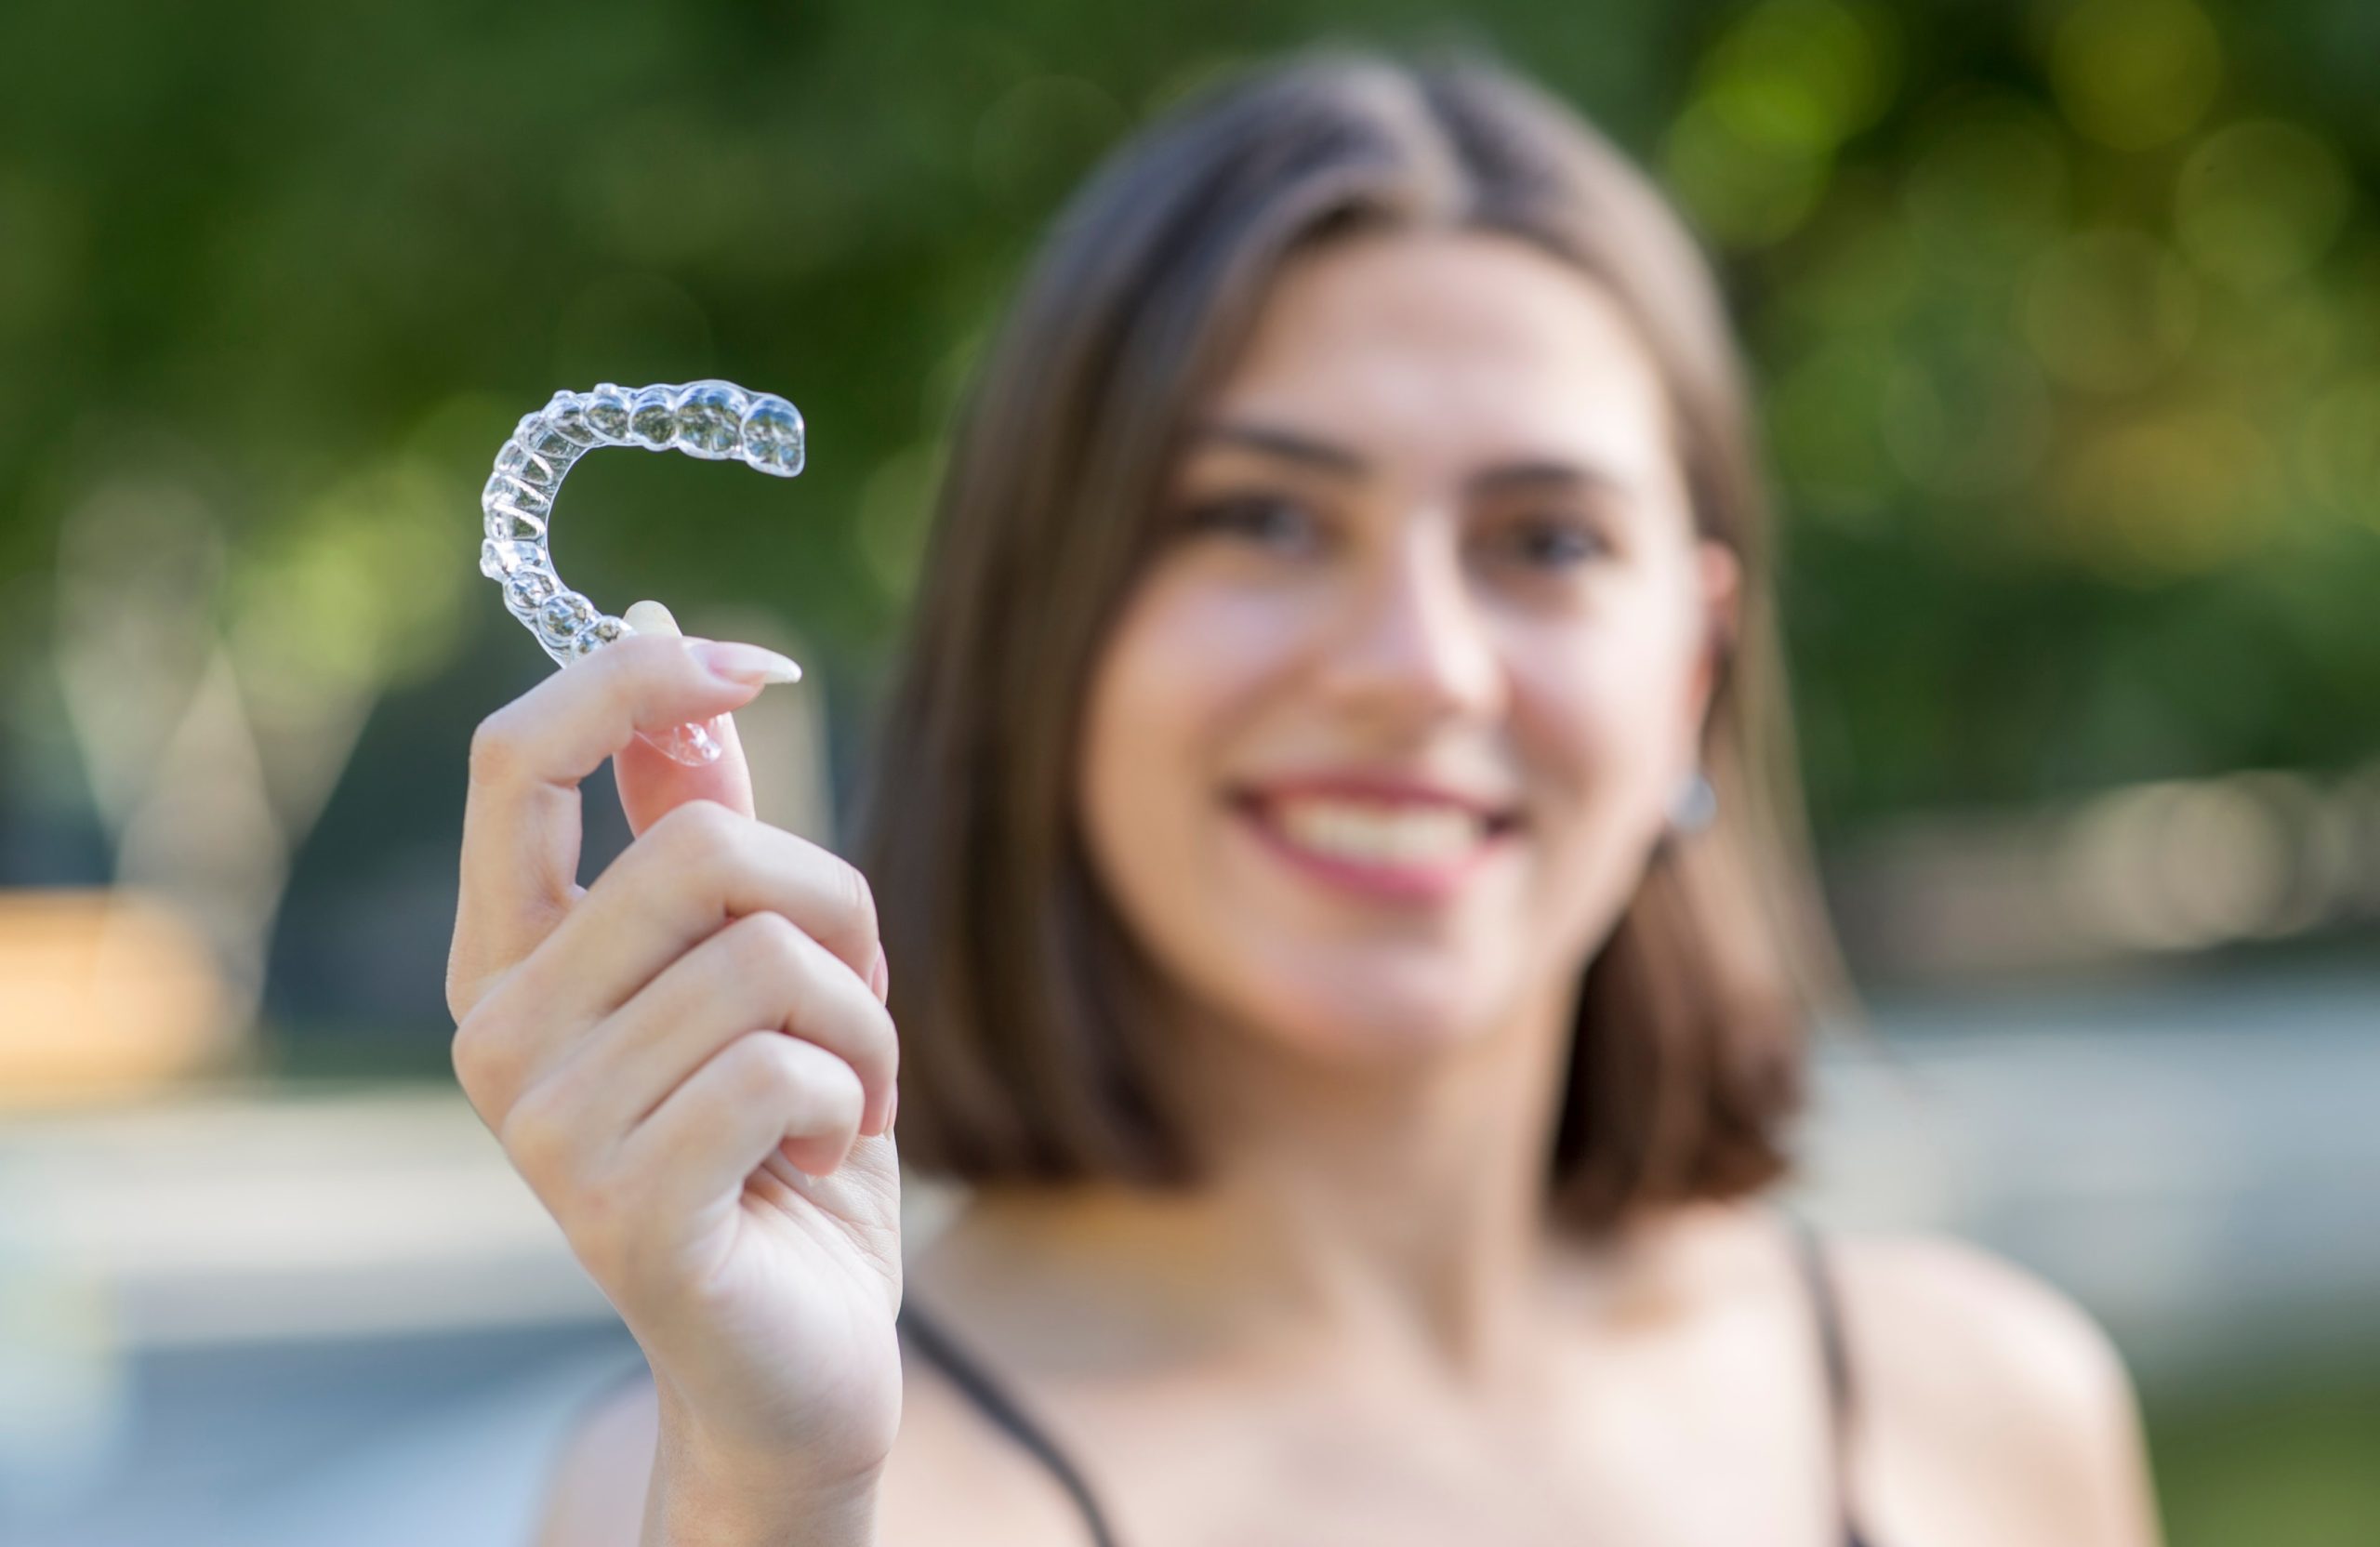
(690, 1064)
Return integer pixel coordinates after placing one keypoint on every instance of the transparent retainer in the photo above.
(716, 420)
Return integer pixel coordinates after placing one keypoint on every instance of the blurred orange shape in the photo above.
(102, 993)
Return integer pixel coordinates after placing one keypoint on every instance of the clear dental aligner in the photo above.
(716, 420)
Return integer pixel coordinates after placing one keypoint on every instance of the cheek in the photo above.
(1181, 669)
(1585, 718)
(1598, 719)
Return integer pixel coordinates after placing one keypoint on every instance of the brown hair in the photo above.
(1023, 1003)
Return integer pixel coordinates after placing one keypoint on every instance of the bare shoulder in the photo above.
(1976, 1373)
(1960, 1316)
(595, 1490)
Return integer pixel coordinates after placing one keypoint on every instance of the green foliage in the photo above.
(2067, 315)
(2287, 1460)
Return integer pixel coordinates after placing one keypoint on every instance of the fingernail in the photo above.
(649, 617)
(745, 662)
(892, 1109)
(880, 977)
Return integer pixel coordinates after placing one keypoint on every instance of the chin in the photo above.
(1409, 1011)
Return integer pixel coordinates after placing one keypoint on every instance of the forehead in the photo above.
(1438, 349)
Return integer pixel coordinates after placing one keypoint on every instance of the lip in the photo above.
(1364, 784)
(1397, 884)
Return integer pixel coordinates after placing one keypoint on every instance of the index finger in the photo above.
(521, 822)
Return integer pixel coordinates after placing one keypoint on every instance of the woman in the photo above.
(1295, 821)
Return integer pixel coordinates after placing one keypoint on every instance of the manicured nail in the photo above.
(745, 662)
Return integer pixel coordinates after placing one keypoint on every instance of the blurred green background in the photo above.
(2066, 318)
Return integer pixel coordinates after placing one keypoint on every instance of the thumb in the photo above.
(651, 782)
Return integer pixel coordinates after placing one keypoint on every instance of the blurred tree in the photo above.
(2066, 313)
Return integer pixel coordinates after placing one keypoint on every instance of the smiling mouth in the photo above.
(1421, 848)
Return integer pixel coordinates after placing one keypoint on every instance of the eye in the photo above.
(1268, 519)
(1556, 542)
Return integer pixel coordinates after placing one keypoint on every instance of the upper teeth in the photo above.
(1376, 833)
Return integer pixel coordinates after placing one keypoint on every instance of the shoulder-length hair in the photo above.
(1024, 1006)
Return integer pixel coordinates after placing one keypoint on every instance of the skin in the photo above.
(1365, 1331)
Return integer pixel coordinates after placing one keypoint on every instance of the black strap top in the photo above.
(934, 1341)
(1826, 1308)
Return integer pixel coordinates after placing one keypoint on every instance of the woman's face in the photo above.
(1379, 745)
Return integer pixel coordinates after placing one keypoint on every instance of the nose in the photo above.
(1412, 644)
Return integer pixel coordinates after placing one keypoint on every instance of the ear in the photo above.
(1719, 590)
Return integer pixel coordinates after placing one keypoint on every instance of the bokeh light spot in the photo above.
(1987, 185)
(2338, 449)
(2259, 204)
(2135, 74)
(1803, 74)
(1744, 191)
(2110, 310)
(2167, 496)
(1969, 418)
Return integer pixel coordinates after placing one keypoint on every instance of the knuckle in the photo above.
(818, 1083)
(537, 1137)
(698, 835)
(496, 742)
(764, 1069)
(767, 944)
(482, 1057)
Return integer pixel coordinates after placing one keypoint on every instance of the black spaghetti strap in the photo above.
(935, 1342)
(1809, 1253)
(998, 1405)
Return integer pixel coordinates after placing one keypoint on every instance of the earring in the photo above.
(1697, 805)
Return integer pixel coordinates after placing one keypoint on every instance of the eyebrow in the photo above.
(1290, 445)
(1287, 445)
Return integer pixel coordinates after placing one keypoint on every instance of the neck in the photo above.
(1398, 1202)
